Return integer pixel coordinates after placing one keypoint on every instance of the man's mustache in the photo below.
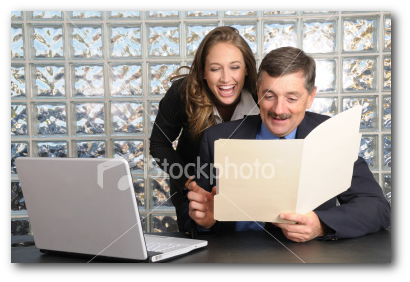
(281, 116)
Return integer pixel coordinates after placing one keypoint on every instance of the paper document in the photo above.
(259, 179)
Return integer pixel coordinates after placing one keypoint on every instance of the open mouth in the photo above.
(227, 90)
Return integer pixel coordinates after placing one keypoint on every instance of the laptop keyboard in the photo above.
(160, 247)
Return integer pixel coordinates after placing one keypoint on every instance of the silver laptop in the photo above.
(88, 206)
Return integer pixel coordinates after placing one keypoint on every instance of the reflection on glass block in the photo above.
(19, 120)
(278, 13)
(124, 15)
(387, 33)
(17, 42)
(359, 74)
(324, 105)
(90, 149)
(249, 33)
(387, 112)
(359, 34)
(160, 192)
(163, 41)
(16, 15)
(89, 80)
(387, 187)
(18, 149)
(386, 152)
(240, 13)
(125, 41)
(90, 118)
(369, 111)
(153, 113)
(195, 34)
(164, 223)
(317, 12)
(368, 151)
(17, 198)
(162, 14)
(127, 117)
(154, 168)
(47, 15)
(126, 80)
(51, 149)
(319, 36)
(86, 41)
(50, 119)
(325, 75)
(48, 41)
(49, 81)
(20, 227)
(86, 15)
(18, 82)
(201, 14)
(279, 34)
(387, 74)
(160, 75)
(132, 152)
(139, 189)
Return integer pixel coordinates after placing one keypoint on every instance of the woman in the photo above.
(220, 86)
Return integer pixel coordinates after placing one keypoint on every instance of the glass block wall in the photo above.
(86, 84)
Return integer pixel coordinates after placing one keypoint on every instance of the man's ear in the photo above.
(311, 98)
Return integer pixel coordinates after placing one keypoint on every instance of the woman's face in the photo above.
(225, 72)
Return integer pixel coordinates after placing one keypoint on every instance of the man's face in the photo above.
(283, 102)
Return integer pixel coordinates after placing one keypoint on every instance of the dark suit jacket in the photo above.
(362, 210)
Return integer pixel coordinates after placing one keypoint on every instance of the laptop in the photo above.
(88, 207)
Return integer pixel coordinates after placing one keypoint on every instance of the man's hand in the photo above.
(308, 226)
(201, 206)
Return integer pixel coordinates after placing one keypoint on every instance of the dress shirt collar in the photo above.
(264, 134)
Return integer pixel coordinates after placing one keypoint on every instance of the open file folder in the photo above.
(259, 179)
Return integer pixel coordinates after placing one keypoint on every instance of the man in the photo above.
(286, 88)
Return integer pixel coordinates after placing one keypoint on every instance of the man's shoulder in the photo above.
(315, 118)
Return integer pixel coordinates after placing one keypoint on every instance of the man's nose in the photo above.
(279, 106)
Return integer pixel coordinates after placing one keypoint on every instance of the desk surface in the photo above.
(251, 247)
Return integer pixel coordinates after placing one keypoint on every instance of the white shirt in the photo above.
(245, 107)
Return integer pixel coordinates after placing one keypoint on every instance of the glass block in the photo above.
(368, 151)
(376, 177)
(132, 152)
(127, 117)
(387, 186)
(153, 113)
(387, 74)
(17, 198)
(124, 15)
(325, 106)
(125, 80)
(249, 31)
(319, 36)
(318, 12)
(201, 14)
(153, 167)
(386, 112)
(229, 14)
(19, 120)
(20, 227)
(162, 14)
(16, 15)
(88, 81)
(89, 118)
(360, 34)
(279, 34)
(160, 75)
(278, 13)
(369, 111)
(18, 81)
(386, 152)
(78, 15)
(195, 34)
(86, 42)
(326, 75)
(47, 42)
(18, 149)
(359, 74)
(45, 15)
(387, 34)
(49, 119)
(160, 193)
(49, 81)
(50, 149)
(139, 189)
(89, 149)
(17, 42)
(163, 40)
(164, 223)
(125, 41)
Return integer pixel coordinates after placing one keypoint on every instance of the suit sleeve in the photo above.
(363, 208)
